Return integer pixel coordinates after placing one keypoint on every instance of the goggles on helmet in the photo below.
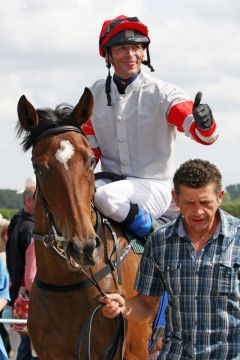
(122, 30)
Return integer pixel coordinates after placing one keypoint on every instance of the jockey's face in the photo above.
(126, 59)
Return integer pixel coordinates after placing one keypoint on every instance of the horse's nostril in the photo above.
(88, 250)
(72, 248)
(84, 250)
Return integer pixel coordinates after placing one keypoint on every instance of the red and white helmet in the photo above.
(122, 30)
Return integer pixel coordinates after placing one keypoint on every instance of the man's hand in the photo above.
(114, 304)
(202, 113)
(138, 308)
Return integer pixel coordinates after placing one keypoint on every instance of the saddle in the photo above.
(138, 244)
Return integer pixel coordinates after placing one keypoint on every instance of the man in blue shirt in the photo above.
(196, 260)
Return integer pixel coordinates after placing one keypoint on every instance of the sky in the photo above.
(49, 52)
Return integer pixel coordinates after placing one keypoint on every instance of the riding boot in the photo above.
(138, 222)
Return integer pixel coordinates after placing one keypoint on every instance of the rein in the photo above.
(110, 350)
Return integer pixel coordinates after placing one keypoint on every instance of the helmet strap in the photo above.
(108, 82)
(148, 61)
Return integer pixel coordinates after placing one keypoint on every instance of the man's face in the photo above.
(29, 203)
(198, 206)
(126, 59)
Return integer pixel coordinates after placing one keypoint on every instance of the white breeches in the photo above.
(114, 198)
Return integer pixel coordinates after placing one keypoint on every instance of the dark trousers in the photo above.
(24, 350)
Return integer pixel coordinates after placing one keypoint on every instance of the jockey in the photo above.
(133, 128)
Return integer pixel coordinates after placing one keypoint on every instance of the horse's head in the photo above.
(64, 165)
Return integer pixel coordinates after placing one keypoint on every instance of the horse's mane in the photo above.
(48, 118)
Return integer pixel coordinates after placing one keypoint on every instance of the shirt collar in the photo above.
(182, 231)
(122, 84)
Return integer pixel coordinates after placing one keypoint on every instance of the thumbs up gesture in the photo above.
(202, 113)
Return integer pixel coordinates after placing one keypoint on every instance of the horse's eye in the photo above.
(92, 163)
(37, 169)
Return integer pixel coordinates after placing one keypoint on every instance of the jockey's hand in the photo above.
(114, 304)
(202, 113)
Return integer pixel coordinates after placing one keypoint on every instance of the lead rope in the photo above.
(85, 334)
(93, 281)
(110, 351)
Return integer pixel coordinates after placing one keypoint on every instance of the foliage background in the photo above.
(11, 201)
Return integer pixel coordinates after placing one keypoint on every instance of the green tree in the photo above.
(8, 213)
(232, 208)
(9, 199)
(234, 191)
(226, 198)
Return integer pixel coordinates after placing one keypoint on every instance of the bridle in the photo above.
(52, 239)
(57, 241)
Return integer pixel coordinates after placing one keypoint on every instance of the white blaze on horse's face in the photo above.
(65, 152)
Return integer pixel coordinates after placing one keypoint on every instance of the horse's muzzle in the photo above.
(83, 253)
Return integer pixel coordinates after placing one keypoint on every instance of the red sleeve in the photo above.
(89, 131)
(180, 115)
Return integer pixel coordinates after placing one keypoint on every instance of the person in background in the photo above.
(19, 238)
(133, 128)
(195, 259)
(29, 276)
(4, 298)
(3, 236)
(3, 239)
(30, 266)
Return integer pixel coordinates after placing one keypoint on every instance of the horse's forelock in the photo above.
(64, 111)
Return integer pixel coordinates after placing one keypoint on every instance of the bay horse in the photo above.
(79, 254)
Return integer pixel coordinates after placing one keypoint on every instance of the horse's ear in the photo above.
(27, 115)
(83, 110)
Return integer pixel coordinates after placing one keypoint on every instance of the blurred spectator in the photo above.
(29, 275)
(3, 239)
(30, 184)
(30, 269)
(4, 297)
(19, 238)
(3, 236)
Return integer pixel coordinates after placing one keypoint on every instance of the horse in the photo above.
(79, 254)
